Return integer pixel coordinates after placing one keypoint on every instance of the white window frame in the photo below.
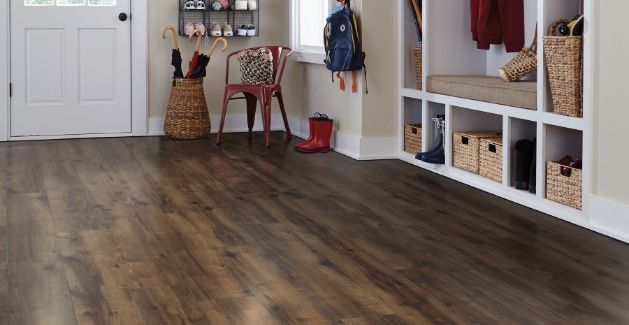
(303, 53)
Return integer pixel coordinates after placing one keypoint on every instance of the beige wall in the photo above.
(274, 31)
(611, 175)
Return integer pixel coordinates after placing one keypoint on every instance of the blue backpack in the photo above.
(343, 49)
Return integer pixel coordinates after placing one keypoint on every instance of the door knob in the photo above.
(123, 16)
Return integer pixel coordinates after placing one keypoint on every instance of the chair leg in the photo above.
(266, 120)
(280, 99)
(251, 112)
(219, 136)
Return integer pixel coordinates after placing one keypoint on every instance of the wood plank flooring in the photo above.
(153, 231)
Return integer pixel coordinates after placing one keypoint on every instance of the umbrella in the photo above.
(176, 56)
(199, 71)
(195, 57)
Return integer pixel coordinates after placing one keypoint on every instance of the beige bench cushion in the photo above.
(487, 89)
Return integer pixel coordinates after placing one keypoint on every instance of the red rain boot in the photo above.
(307, 143)
(322, 135)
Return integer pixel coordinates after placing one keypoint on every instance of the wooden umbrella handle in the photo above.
(199, 39)
(220, 39)
(175, 38)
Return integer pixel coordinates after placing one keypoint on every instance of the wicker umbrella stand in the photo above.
(187, 117)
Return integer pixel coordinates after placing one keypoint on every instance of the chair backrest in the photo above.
(280, 56)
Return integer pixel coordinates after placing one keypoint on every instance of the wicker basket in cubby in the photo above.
(466, 149)
(564, 185)
(413, 138)
(417, 59)
(491, 158)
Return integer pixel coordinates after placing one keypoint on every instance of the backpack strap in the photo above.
(355, 81)
(341, 80)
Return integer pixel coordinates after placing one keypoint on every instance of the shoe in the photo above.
(217, 6)
(242, 30)
(251, 30)
(321, 139)
(215, 30)
(188, 29)
(252, 5)
(227, 30)
(533, 174)
(308, 142)
(201, 28)
(200, 5)
(436, 156)
(524, 151)
(240, 5)
(440, 127)
(189, 5)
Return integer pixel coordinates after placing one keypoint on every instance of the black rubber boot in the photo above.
(524, 150)
(437, 156)
(533, 175)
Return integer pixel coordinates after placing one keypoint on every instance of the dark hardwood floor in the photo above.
(153, 231)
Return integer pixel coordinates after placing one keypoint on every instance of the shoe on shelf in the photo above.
(241, 5)
(242, 30)
(524, 153)
(216, 6)
(228, 30)
(189, 5)
(201, 28)
(533, 173)
(251, 30)
(200, 5)
(215, 30)
(252, 5)
(188, 29)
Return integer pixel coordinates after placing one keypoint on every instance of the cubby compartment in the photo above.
(522, 130)
(433, 111)
(412, 123)
(412, 60)
(563, 183)
(468, 128)
(456, 67)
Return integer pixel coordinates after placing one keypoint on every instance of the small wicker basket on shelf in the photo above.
(564, 61)
(417, 60)
(413, 138)
(466, 149)
(564, 185)
(491, 158)
(187, 116)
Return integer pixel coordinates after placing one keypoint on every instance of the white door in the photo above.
(70, 67)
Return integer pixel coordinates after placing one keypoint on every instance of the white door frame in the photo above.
(139, 70)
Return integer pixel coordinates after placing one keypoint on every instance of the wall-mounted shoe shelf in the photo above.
(448, 49)
(207, 17)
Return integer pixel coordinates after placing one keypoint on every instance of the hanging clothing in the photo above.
(497, 22)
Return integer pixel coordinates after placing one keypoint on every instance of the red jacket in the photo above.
(498, 21)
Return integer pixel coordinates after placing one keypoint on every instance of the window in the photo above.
(308, 18)
(65, 3)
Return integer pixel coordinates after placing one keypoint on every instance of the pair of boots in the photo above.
(526, 165)
(320, 133)
(437, 155)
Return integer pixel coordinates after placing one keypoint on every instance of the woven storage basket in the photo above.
(187, 116)
(564, 61)
(466, 149)
(417, 59)
(522, 64)
(564, 185)
(491, 158)
(413, 138)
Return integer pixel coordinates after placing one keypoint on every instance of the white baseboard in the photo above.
(351, 145)
(609, 217)
(234, 123)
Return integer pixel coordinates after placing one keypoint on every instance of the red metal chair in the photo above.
(259, 93)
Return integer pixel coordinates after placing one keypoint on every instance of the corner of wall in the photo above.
(4, 71)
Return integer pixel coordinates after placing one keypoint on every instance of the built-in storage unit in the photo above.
(463, 83)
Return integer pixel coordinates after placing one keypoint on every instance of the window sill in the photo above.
(309, 57)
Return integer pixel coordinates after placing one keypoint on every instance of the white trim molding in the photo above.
(609, 217)
(139, 67)
(4, 70)
(234, 123)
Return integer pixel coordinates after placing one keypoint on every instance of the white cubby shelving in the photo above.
(448, 49)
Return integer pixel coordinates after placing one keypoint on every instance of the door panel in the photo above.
(70, 68)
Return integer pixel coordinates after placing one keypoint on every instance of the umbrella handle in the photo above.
(220, 39)
(174, 31)
(199, 39)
